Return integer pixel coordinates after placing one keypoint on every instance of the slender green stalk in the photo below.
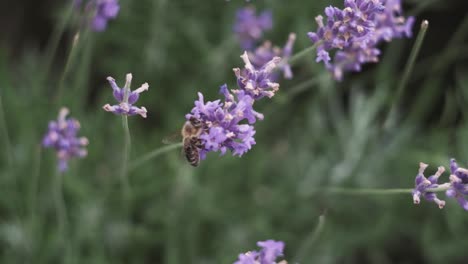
(34, 187)
(68, 63)
(412, 58)
(151, 155)
(310, 240)
(294, 59)
(124, 169)
(432, 84)
(407, 71)
(302, 86)
(60, 207)
(55, 39)
(4, 131)
(347, 191)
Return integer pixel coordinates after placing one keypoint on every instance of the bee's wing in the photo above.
(172, 138)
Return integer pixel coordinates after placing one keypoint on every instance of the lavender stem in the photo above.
(151, 155)
(407, 72)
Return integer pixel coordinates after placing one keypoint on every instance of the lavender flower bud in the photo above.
(62, 136)
(126, 98)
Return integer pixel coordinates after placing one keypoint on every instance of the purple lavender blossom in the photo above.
(270, 251)
(355, 32)
(391, 23)
(266, 52)
(104, 11)
(62, 136)
(257, 83)
(344, 27)
(249, 27)
(459, 184)
(223, 129)
(126, 98)
(422, 184)
(98, 11)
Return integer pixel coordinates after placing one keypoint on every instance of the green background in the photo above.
(317, 134)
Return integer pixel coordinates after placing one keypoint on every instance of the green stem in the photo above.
(124, 169)
(152, 154)
(55, 39)
(302, 87)
(310, 240)
(294, 59)
(71, 56)
(347, 191)
(34, 187)
(60, 207)
(4, 131)
(408, 69)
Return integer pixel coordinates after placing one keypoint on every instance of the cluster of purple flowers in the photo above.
(270, 251)
(228, 124)
(62, 136)
(249, 30)
(354, 32)
(457, 187)
(100, 11)
(126, 98)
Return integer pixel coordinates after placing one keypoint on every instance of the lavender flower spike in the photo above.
(270, 251)
(223, 123)
(459, 184)
(257, 83)
(355, 23)
(62, 136)
(422, 184)
(104, 11)
(126, 98)
(249, 27)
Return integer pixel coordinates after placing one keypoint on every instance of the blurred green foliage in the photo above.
(314, 136)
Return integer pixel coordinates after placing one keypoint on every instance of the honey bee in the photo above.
(192, 143)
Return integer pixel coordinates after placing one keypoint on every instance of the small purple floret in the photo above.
(62, 136)
(126, 98)
(270, 251)
(249, 27)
